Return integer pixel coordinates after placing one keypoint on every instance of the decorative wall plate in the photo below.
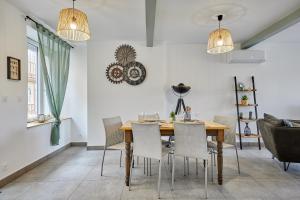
(125, 54)
(114, 73)
(134, 73)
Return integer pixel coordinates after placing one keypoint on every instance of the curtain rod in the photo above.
(27, 17)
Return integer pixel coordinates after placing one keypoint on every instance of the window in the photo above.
(36, 94)
(33, 75)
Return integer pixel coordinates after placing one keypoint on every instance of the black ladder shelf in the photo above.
(238, 105)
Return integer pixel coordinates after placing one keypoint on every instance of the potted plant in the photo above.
(172, 116)
(244, 100)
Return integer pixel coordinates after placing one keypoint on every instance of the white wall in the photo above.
(210, 77)
(106, 99)
(19, 145)
(75, 105)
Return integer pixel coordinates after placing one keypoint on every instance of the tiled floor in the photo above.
(75, 174)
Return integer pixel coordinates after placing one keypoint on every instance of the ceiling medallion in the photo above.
(114, 73)
(220, 40)
(125, 54)
(73, 24)
(134, 73)
(232, 12)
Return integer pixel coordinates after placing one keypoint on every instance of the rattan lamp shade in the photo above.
(220, 41)
(66, 28)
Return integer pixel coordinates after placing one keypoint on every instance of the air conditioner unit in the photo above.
(246, 56)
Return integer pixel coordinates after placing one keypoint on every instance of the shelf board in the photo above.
(243, 105)
(249, 136)
(248, 120)
(247, 90)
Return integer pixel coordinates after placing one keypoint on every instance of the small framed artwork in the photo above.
(13, 68)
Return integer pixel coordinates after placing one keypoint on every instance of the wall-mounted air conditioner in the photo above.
(246, 56)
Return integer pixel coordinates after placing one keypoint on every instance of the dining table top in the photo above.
(169, 126)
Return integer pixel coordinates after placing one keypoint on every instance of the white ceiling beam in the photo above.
(150, 21)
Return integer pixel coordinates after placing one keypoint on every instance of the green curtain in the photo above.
(55, 60)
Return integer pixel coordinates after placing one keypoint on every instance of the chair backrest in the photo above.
(230, 122)
(190, 139)
(148, 116)
(146, 140)
(113, 133)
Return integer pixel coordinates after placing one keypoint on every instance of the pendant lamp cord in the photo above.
(220, 17)
(73, 8)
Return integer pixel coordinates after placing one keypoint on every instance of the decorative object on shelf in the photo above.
(241, 86)
(125, 54)
(73, 24)
(241, 115)
(247, 130)
(220, 40)
(251, 119)
(179, 91)
(172, 116)
(244, 100)
(114, 73)
(13, 68)
(134, 73)
(250, 115)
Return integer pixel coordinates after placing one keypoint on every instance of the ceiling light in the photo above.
(219, 40)
(73, 25)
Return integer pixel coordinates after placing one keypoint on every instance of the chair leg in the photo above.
(214, 159)
(103, 160)
(206, 179)
(237, 159)
(197, 166)
(173, 171)
(144, 165)
(137, 160)
(150, 167)
(131, 164)
(183, 166)
(121, 158)
(188, 166)
(147, 159)
(159, 178)
(212, 167)
(168, 158)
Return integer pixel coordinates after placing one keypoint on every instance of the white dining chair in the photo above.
(190, 142)
(147, 144)
(148, 117)
(114, 137)
(144, 117)
(229, 138)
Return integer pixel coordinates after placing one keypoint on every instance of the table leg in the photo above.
(220, 162)
(127, 162)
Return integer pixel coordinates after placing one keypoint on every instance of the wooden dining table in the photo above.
(167, 129)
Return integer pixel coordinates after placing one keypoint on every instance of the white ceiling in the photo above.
(177, 21)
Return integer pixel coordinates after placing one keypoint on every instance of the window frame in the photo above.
(40, 99)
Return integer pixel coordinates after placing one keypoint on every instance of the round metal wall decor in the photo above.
(125, 54)
(114, 73)
(134, 73)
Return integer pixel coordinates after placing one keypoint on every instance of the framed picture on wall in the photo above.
(13, 68)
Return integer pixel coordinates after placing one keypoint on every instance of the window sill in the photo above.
(36, 123)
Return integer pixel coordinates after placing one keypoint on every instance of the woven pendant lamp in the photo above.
(220, 40)
(73, 25)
